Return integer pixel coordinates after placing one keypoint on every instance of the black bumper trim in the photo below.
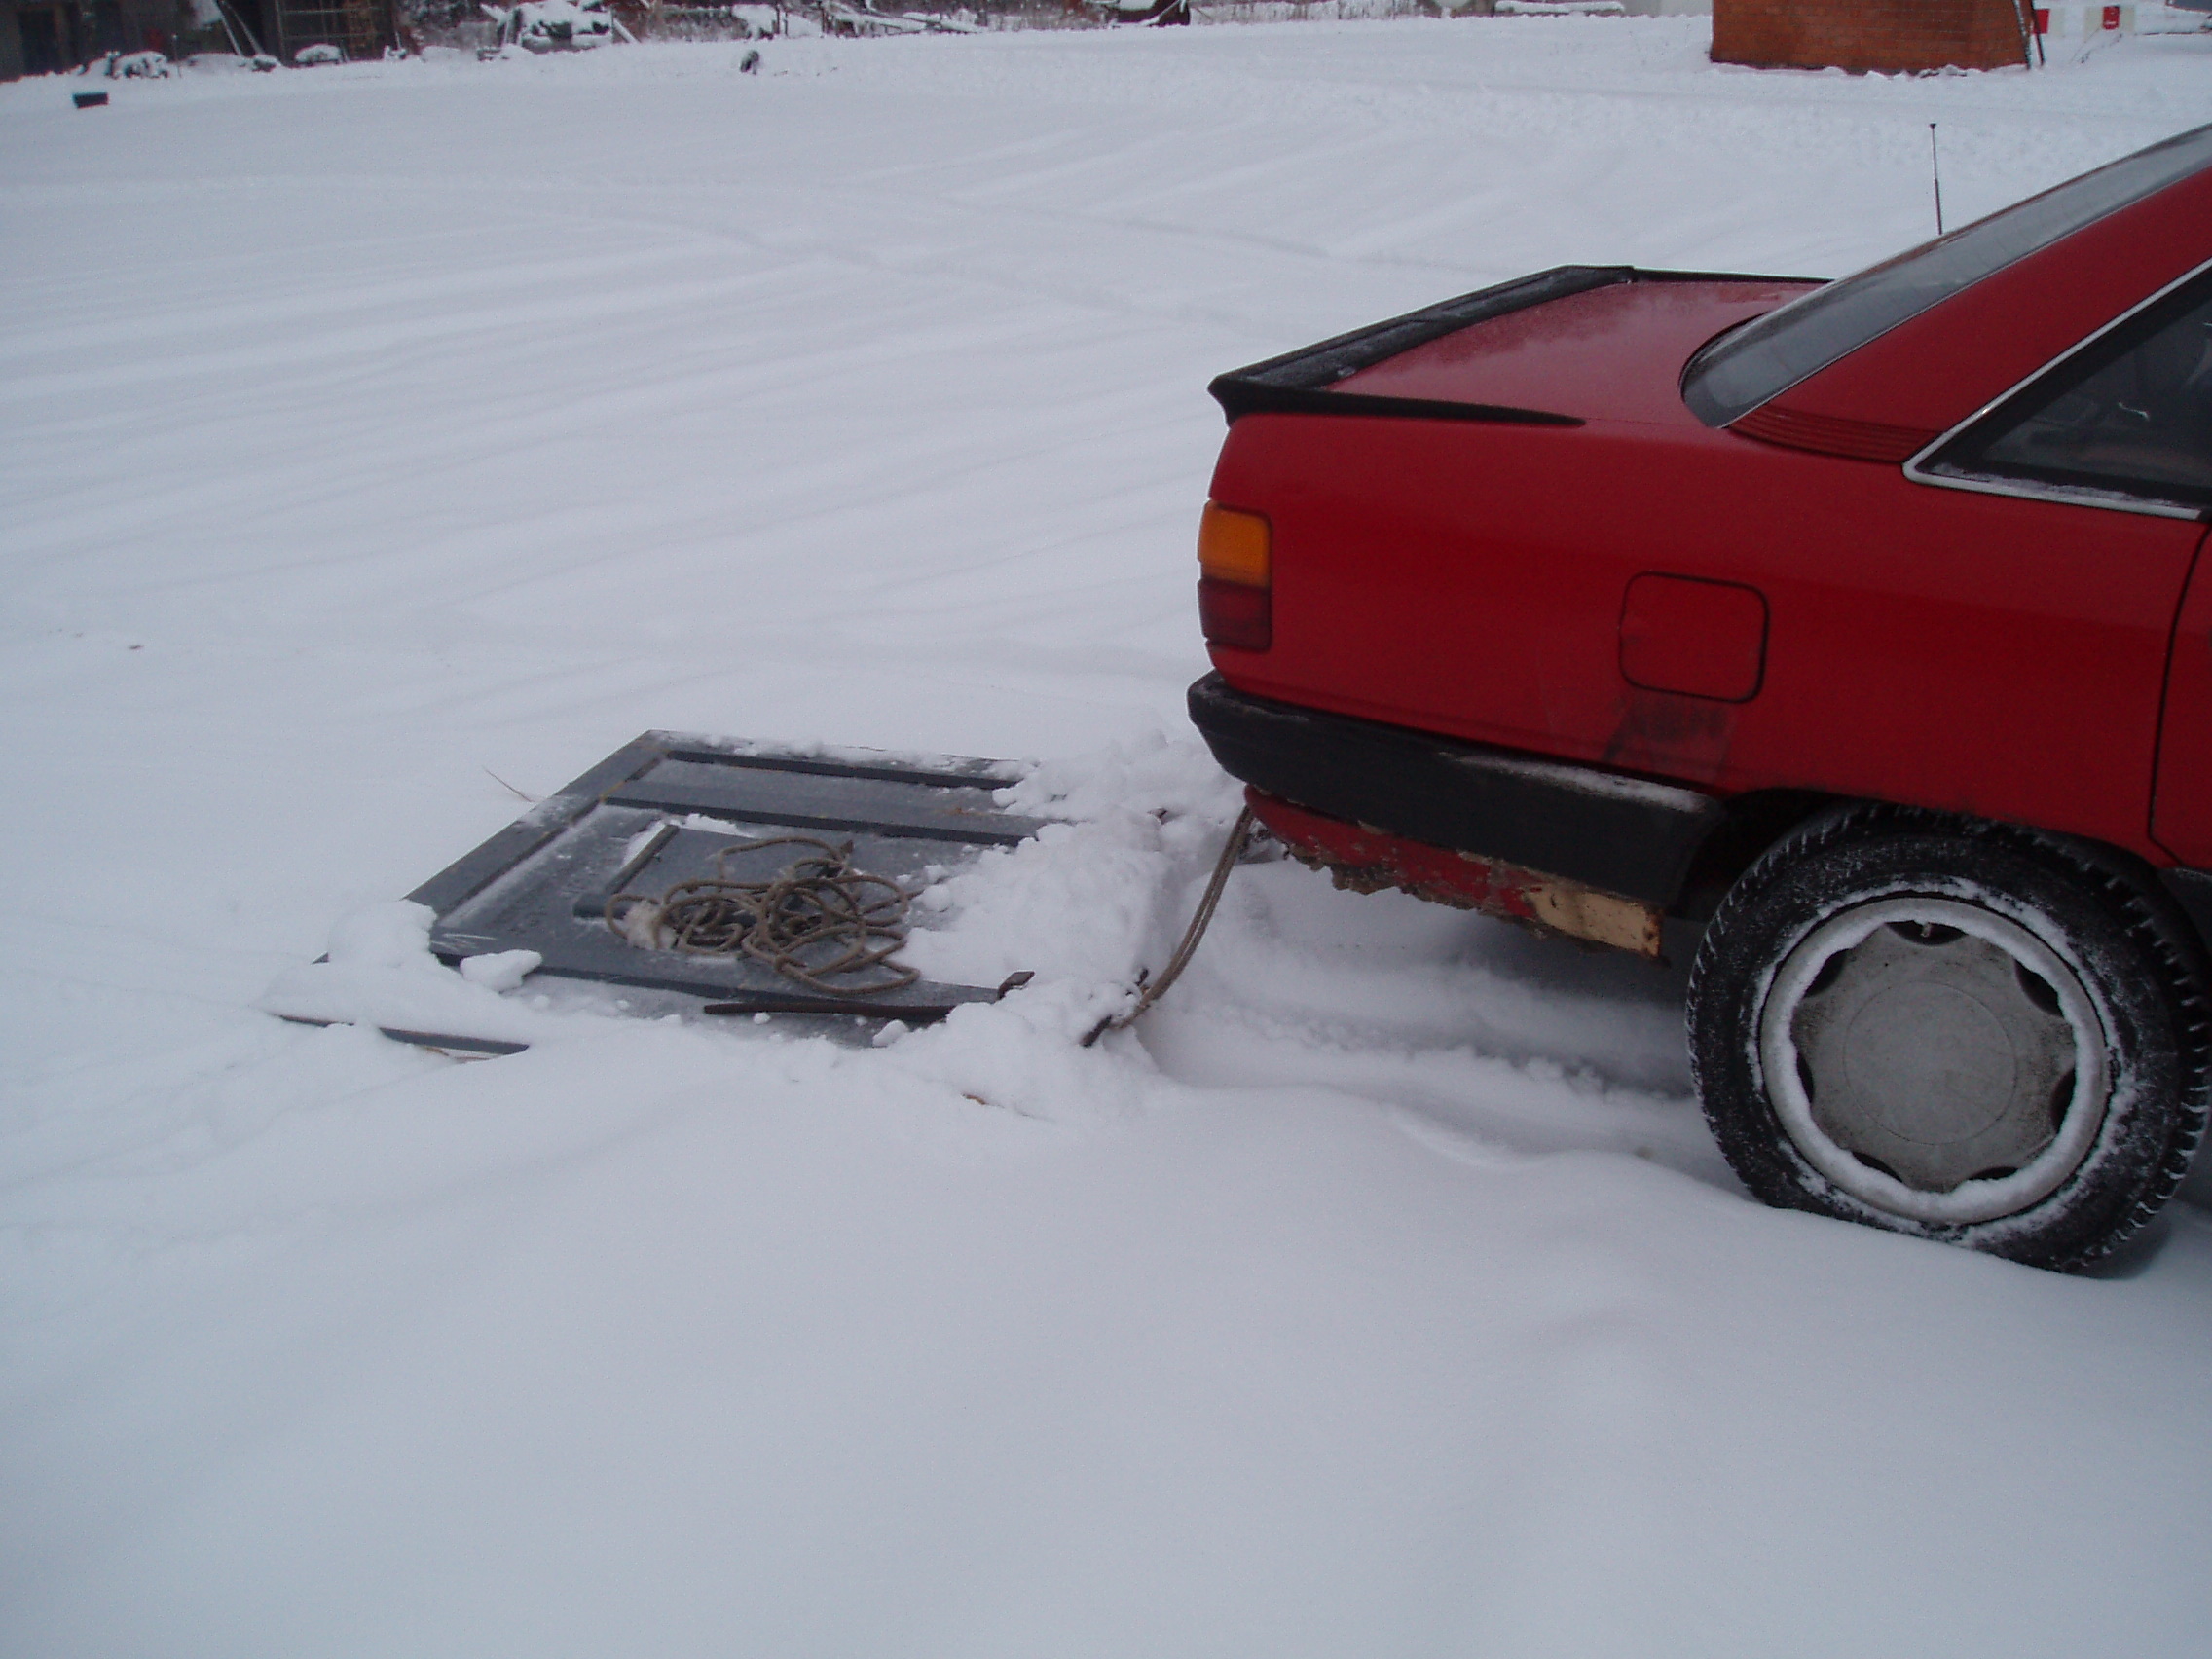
(1606, 829)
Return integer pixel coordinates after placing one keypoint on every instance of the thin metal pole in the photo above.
(1935, 169)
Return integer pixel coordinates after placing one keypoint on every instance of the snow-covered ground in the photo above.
(376, 442)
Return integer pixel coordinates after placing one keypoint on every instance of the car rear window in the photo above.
(1739, 371)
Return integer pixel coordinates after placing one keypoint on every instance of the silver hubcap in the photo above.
(1933, 1059)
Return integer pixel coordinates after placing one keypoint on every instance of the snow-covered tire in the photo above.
(1962, 1030)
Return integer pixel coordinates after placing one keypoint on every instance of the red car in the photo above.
(1860, 625)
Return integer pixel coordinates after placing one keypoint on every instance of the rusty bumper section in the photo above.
(1363, 860)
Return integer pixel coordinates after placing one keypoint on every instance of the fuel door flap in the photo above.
(1694, 636)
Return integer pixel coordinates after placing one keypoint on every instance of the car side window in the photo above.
(2129, 414)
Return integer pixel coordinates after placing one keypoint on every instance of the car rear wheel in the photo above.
(1962, 1030)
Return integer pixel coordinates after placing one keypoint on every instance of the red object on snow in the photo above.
(1604, 522)
(1620, 586)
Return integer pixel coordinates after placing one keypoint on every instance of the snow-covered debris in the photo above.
(501, 970)
(555, 25)
(378, 971)
(138, 66)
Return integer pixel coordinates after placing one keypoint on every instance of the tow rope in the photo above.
(1230, 851)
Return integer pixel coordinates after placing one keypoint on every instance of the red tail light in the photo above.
(1239, 617)
(1235, 576)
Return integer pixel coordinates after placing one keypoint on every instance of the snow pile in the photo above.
(1381, 1294)
(378, 971)
(139, 66)
(1097, 896)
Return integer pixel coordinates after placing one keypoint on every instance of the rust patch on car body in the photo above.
(1361, 859)
(1673, 736)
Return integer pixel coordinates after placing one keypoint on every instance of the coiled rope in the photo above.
(817, 921)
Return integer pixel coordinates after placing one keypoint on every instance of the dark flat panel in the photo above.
(473, 872)
(949, 770)
(818, 801)
(543, 883)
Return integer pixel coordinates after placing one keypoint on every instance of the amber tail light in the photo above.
(1235, 600)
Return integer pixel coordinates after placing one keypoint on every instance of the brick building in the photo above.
(1885, 35)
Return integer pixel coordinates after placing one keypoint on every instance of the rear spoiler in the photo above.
(1297, 382)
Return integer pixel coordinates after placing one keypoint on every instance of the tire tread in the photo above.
(2148, 917)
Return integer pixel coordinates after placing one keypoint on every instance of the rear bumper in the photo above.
(1603, 829)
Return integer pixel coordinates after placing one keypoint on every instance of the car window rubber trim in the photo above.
(2075, 496)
